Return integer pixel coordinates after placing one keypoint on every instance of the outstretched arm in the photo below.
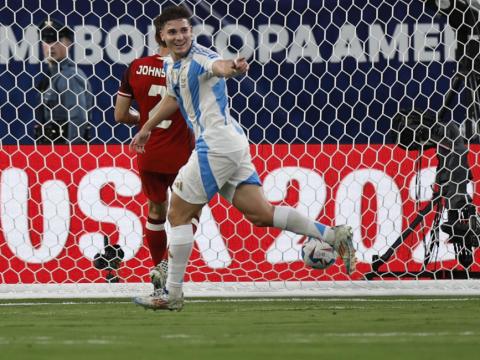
(230, 68)
(167, 107)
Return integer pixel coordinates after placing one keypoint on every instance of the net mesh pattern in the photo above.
(358, 112)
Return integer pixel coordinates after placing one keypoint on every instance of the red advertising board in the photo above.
(57, 203)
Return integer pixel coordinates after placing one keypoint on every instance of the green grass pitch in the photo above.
(358, 328)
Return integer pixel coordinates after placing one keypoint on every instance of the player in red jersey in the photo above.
(169, 148)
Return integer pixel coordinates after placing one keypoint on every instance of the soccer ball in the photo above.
(318, 254)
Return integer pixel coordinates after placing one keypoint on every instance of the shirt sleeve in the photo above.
(166, 65)
(125, 88)
(207, 61)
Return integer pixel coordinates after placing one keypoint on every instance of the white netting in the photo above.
(336, 92)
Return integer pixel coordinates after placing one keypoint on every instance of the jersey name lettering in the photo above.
(150, 71)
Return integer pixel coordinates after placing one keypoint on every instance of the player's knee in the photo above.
(157, 217)
(261, 218)
(173, 217)
(176, 218)
(157, 211)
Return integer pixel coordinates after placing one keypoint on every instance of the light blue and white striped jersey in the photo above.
(203, 101)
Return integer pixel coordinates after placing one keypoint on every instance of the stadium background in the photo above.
(325, 80)
(341, 88)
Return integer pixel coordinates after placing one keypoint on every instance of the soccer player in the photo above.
(221, 161)
(172, 142)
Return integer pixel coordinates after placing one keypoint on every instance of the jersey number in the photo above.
(161, 90)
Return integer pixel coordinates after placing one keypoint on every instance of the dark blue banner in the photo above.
(321, 71)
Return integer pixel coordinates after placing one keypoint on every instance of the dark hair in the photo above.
(170, 13)
(52, 30)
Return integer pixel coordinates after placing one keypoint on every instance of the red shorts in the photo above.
(155, 185)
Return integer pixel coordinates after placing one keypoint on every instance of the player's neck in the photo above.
(163, 51)
(176, 56)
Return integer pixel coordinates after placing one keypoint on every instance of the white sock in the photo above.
(290, 219)
(179, 250)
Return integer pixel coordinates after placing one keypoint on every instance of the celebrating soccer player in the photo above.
(221, 161)
(172, 142)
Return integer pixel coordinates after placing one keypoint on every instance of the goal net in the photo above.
(358, 112)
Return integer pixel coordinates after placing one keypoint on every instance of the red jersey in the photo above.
(171, 143)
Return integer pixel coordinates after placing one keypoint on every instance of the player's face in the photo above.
(177, 34)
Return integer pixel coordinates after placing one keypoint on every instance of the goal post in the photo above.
(335, 105)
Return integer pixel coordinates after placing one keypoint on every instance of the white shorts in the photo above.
(206, 174)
